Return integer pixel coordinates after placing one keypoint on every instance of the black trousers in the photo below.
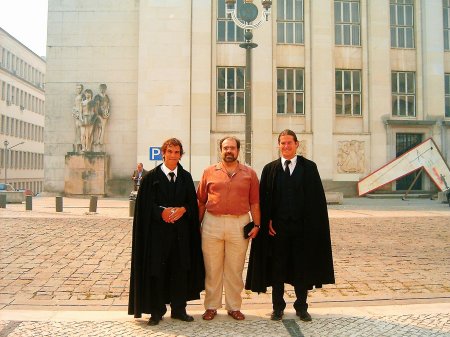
(287, 259)
(171, 285)
(278, 302)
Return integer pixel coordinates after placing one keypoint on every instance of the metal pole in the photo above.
(6, 143)
(248, 105)
(412, 184)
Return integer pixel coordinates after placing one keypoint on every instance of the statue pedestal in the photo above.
(86, 173)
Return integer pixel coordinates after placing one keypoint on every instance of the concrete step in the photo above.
(399, 195)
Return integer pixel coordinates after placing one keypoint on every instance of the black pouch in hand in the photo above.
(247, 228)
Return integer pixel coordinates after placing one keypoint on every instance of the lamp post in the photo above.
(248, 13)
(6, 143)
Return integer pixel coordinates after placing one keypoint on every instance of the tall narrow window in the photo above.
(348, 92)
(290, 22)
(227, 31)
(403, 94)
(446, 13)
(290, 91)
(447, 95)
(230, 90)
(402, 23)
(347, 22)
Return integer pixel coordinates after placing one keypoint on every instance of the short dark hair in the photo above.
(238, 142)
(172, 142)
(287, 132)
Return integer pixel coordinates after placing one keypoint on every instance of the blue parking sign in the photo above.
(155, 153)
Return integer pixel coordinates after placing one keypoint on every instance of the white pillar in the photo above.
(322, 85)
(164, 79)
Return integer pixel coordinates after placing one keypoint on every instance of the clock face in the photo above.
(248, 12)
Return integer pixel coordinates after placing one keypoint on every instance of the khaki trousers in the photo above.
(224, 249)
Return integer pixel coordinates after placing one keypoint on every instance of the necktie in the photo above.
(286, 169)
(172, 185)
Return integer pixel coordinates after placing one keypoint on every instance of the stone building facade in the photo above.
(359, 81)
(22, 106)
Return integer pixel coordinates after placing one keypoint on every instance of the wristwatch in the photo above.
(258, 226)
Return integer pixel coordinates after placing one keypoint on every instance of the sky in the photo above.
(26, 21)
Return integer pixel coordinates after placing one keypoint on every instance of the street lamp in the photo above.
(248, 13)
(6, 143)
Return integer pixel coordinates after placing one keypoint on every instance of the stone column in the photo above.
(379, 75)
(201, 86)
(164, 82)
(322, 85)
(432, 50)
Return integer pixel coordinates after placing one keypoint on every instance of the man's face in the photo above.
(139, 167)
(172, 156)
(79, 89)
(288, 146)
(229, 150)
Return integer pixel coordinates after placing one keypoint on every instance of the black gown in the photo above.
(150, 248)
(316, 262)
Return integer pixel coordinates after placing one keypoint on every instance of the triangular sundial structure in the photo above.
(426, 155)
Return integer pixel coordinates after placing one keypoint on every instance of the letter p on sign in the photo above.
(155, 153)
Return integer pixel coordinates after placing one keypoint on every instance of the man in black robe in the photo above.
(294, 245)
(166, 261)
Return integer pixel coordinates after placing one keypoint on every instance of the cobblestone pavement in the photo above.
(411, 325)
(69, 263)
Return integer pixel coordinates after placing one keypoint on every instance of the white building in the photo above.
(22, 106)
(359, 81)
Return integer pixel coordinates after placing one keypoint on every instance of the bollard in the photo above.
(59, 203)
(131, 209)
(2, 200)
(93, 204)
(28, 203)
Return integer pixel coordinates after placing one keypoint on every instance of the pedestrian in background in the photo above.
(137, 176)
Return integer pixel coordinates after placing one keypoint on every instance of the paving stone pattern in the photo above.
(87, 260)
(405, 325)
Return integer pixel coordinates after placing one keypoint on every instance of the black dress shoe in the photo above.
(182, 317)
(154, 320)
(277, 315)
(304, 315)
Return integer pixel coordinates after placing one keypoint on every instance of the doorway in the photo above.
(405, 142)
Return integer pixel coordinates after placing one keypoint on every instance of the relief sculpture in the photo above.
(351, 157)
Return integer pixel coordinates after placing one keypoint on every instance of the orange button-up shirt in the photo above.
(225, 195)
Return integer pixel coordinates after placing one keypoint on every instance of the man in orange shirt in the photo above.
(227, 192)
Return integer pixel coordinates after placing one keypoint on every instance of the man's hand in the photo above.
(172, 214)
(253, 233)
(271, 230)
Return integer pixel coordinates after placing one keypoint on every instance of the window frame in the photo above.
(291, 92)
(398, 11)
(228, 24)
(235, 91)
(446, 23)
(292, 20)
(447, 95)
(344, 90)
(350, 24)
(407, 93)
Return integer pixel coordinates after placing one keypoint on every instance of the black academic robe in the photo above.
(317, 260)
(150, 232)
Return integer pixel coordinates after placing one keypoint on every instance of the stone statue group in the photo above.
(90, 114)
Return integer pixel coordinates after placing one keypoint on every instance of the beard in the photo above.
(229, 157)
